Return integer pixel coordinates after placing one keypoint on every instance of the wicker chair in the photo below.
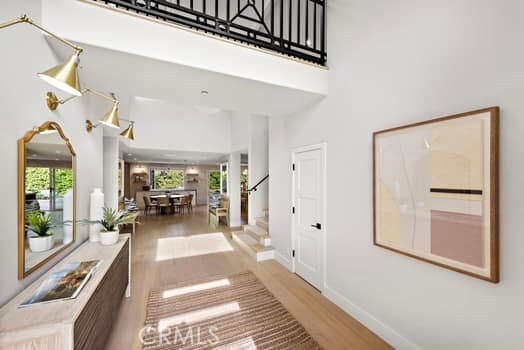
(220, 212)
(184, 203)
(148, 206)
(190, 203)
(164, 205)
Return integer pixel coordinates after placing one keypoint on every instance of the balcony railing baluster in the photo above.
(293, 33)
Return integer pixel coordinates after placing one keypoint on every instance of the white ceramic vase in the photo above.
(40, 244)
(96, 212)
(109, 238)
(68, 216)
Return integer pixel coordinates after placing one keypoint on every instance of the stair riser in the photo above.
(243, 245)
(259, 256)
(266, 242)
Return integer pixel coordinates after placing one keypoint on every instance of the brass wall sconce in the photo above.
(64, 76)
(127, 133)
(110, 119)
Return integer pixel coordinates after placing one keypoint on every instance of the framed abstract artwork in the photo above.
(435, 191)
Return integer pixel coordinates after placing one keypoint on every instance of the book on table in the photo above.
(64, 284)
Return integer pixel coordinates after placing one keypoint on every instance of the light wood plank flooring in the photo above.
(168, 250)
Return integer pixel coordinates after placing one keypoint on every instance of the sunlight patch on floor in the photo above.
(186, 246)
(198, 315)
(195, 288)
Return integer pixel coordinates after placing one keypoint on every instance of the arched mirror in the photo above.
(46, 196)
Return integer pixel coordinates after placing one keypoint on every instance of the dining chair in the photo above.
(164, 204)
(148, 206)
(182, 204)
(190, 203)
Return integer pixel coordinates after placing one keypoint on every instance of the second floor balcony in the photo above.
(295, 28)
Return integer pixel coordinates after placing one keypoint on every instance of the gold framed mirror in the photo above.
(46, 196)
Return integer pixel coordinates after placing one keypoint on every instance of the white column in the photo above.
(234, 189)
(258, 166)
(111, 172)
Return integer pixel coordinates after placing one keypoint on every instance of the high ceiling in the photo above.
(130, 76)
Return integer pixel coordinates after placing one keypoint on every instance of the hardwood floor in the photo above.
(172, 249)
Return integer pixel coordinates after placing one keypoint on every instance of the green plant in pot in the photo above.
(39, 227)
(111, 218)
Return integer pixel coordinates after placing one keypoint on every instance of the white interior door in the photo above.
(309, 215)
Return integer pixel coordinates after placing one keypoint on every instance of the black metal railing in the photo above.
(292, 27)
(254, 188)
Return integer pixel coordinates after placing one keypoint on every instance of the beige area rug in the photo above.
(227, 312)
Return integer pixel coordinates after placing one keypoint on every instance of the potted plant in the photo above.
(110, 221)
(39, 227)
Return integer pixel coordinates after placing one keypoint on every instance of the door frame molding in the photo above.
(323, 149)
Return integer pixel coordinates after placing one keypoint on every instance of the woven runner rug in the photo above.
(228, 312)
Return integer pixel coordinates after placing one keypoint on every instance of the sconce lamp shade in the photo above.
(111, 118)
(128, 132)
(64, 76)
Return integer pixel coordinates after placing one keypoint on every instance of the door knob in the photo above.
(317, 226)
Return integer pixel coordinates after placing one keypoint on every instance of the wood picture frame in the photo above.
(457, 226)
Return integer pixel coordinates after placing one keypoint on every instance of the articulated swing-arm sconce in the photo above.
(110, 119)
(64, 76)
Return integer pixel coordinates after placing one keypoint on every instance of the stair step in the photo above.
(262, 222)
(259, 234)
(259, 231)
(253, 247)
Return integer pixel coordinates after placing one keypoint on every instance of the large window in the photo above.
(163, 178)
(214, 180)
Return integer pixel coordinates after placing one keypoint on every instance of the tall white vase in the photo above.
(96, 212)
(68, 216)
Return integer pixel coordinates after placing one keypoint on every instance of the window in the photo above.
(214, 180)
(165, 178)
(223, 178)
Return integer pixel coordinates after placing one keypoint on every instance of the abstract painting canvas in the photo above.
(435, 191)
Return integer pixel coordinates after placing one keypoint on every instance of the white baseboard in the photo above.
(381, 329)
(284, 261)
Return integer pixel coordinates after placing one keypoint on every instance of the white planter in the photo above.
(109, 238)
(40, 244)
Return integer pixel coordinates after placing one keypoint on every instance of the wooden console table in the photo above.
(81, 323)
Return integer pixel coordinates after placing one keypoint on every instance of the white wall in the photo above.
(239, 131)
(233, 174)
(168, 125)
(258, 165)
(25, 52)
(392, 63)
(110, 161)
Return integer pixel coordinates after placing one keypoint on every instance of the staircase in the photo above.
(255, 239)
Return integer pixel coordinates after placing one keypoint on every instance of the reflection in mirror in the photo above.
(48, 165)
(223, 178)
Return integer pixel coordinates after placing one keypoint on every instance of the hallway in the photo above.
(172, 249)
